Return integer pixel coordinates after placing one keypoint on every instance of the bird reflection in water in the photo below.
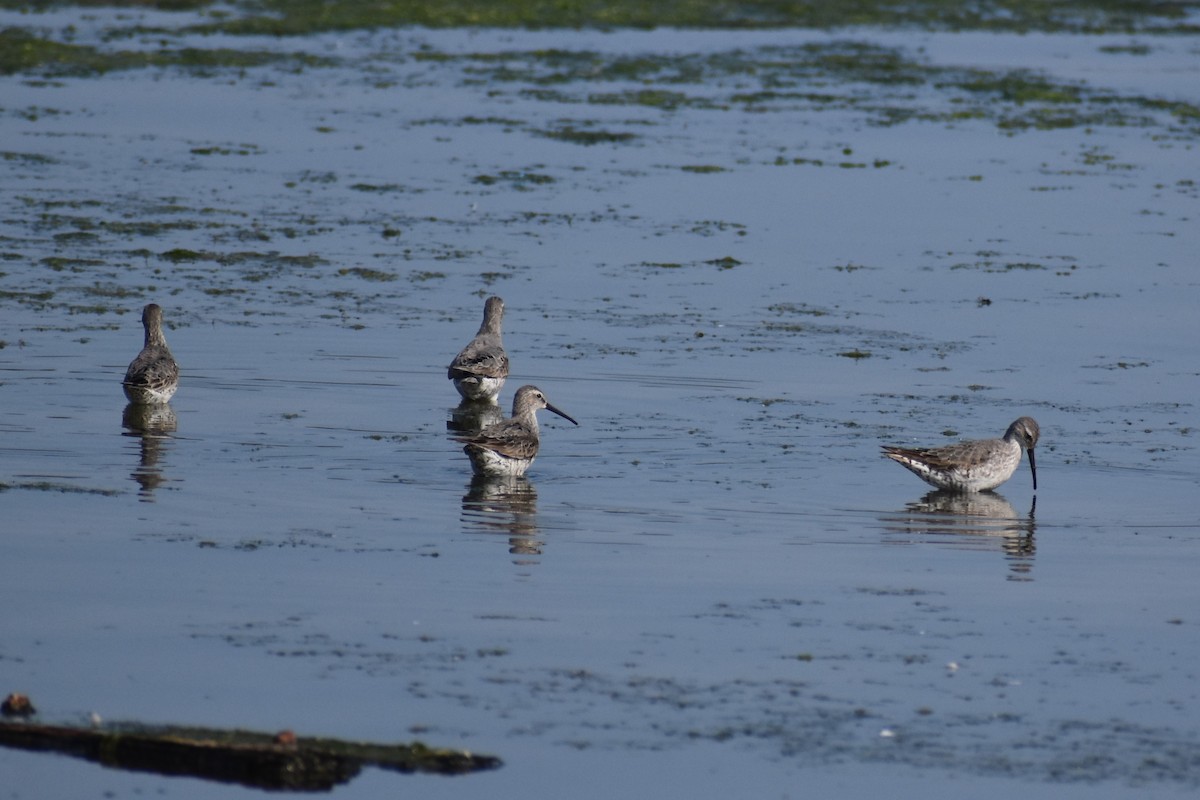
(153, 425)
(504, 505)
(973, 520)
(472, 416)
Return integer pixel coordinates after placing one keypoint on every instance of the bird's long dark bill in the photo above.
(1033, 469)
(567, 416)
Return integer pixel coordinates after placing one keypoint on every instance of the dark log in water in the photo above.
(265, 761)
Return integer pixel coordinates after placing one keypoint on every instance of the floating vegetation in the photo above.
(490, 278)
(35, 299)
(761, 79)
(301, 17)
(1119, 365)
(518, 180)
(27, 158)
(501, 121)
(710, 227)
(183, 255)
(992, 266)
(75, 237)
(62, 264)
(281, 761)
(119, 292)
(577, 136)
(780, 78)
(1020, 87)
(64, 488)
(793, 308)
(239, 150)
(651, 98)
(1127, 49)
(22, 51)
(878, 163)
(314, 176)
(378, 188)
(179, 254)
(149, 228)
(368, 274)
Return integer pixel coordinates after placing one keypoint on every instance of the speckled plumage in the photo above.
(509, 447)
(479, 370)
(972, 466)
(153, 376)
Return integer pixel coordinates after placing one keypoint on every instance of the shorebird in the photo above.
(973, 466)
(508, 448)
(153, 376)
(479, 370)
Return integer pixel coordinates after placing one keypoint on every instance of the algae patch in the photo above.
(517, 179)
(300, 17)
(25, 52)
(366, 274)
(888, 85)
(587, 137)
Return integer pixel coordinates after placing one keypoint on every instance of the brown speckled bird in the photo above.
(479, 370)
(153, 376)
(508, 448)
(973, 466)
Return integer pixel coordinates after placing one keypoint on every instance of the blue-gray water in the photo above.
(714, 585)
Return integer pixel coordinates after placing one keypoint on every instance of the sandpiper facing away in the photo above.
(974, 466)
(153, 376)
(479, 370)
(507, 448)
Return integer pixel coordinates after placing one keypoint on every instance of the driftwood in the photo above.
(266, 761)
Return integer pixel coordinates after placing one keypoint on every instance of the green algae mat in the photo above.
(278, 762)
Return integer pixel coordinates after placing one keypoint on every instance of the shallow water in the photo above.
(714, 584)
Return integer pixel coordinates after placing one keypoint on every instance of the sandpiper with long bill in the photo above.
(506, 449)
(972, 466)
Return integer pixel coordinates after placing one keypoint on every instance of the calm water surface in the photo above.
(713, 585)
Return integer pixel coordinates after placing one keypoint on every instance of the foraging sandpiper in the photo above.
(479, 370)
(973, 466)
(507, 448)
(153, 376)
